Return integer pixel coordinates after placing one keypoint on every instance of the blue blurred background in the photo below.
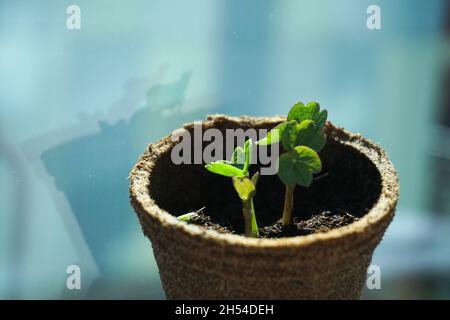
(77, 107)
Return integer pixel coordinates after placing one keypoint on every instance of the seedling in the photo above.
(188, 216)
(238, 169)
(301, 135)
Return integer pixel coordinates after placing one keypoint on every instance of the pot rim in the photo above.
(383, 208)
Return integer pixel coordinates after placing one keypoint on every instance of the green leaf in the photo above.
(304, 176)
(309, 157)
(306, 131)
(224, 168)
(289, 135)
(248, 155)
(317, 142)
(238, 156)
(299, 112)
(255, 178)
(286, 170)
(309, 136)
(298, 167)
(244, 187)
(274, 135)
(320, 119)
(186, 217)
(311, 111)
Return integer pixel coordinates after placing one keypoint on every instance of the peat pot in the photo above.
(199, 263)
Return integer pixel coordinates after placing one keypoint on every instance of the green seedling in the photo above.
(302, 136)
(238, 169)
(187, 216)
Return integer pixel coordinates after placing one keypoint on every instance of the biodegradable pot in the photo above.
(195, 263)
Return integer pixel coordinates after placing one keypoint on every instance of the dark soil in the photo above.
(344, 191)
(204, 220)
(322, 222)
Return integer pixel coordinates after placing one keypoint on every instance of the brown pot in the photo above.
(195, 263)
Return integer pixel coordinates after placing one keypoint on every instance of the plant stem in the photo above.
(251, 227)
(255, 231)
(288, 205)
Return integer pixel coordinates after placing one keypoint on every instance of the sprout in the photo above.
(302, 137)
(188, 216)
(238, 169)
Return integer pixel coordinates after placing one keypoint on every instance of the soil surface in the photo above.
(322, 222)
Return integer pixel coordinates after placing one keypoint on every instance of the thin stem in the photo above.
(251, 227)
(288, 205)
(247, 210)
(255, 231)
